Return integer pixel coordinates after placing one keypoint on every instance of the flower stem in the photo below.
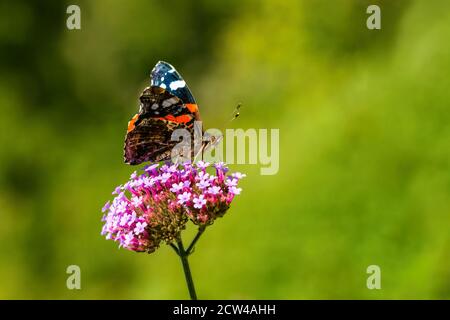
(187, 271)
(174, 247)
(191, 246)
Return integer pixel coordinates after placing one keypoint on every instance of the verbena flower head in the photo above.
(156, 204)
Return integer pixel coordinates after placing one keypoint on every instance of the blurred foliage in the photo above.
(365, 154)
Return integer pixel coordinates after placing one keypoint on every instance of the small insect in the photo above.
(236, 112)
(215, 140)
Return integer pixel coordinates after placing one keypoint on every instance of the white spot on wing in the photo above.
(162, 85)
(168, 102)
(174, 85)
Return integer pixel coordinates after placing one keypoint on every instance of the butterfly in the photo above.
(166, 105)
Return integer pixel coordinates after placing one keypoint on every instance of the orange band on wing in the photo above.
(180, 119)
(131, 122)
(192, 107)
(183, 119)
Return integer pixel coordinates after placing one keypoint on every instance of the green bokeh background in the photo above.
(364, 146)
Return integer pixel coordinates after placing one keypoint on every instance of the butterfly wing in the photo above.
(150, 140)
(165, 76)
(165, 106)
(157, 102)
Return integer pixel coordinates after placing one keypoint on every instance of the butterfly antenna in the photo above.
(201, 151)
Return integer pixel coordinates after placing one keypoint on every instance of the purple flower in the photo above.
(132, 217)
(140, 227)
(183, 198)
(129, 237)
(203, 184)
(148, 181)
(202, 175)
(214, 190)
(124, 220)
(117, 190)
(121, 207)
(199, 202)
(172, 168)
(231, 182)
(176, 187)
(137, 201)
(106, 206)
(202, 165)
(164, 177)
(154, 206)
(186, 183)
(220, 165)
(187, 165)
(234, 190)
(238, 175)
(149, 169)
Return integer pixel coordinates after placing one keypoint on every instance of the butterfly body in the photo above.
(165, 106)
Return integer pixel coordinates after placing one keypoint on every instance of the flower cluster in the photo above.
(156, 204)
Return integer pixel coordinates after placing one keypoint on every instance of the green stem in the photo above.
(174, 247)
(199, 233)
(187, 271)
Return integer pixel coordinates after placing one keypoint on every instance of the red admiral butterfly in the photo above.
(165, 106)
